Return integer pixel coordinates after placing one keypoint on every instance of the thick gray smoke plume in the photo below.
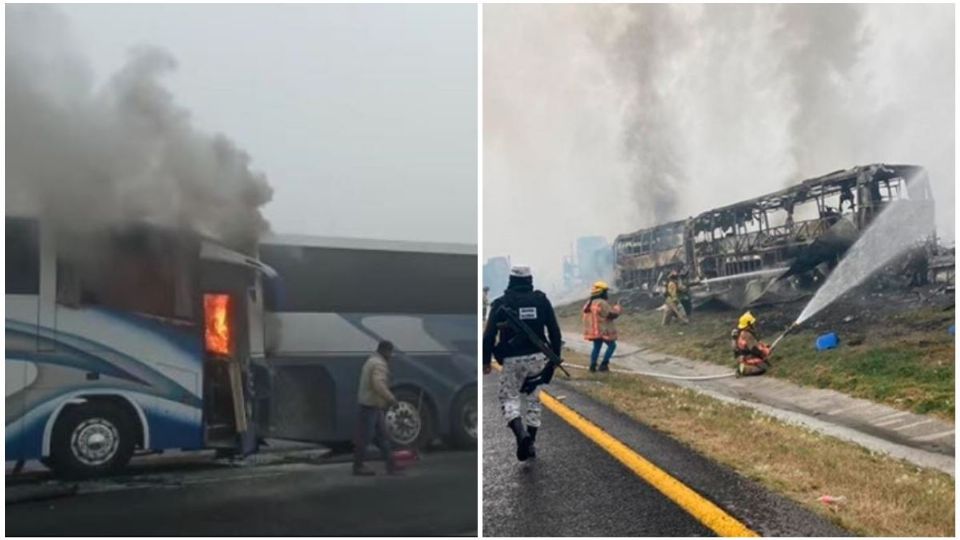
(85, 157)
(641, 56)
(821, 48)
(617, 117)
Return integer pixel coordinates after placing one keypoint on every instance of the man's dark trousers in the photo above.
(371, 427)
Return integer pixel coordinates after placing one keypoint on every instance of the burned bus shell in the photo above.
(736, 253)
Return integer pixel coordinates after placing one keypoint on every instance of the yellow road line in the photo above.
(710, 515)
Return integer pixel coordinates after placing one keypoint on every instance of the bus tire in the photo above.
(93, 439)
(411, 423)
(463, 416)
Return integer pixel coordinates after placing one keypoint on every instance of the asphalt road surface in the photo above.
(289, 497)
(575, 488)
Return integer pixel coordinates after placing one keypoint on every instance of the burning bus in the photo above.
(124, 339)
(138, 338)
(772, 244)
(132, 285)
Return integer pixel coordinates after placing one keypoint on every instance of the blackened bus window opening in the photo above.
(23, 256)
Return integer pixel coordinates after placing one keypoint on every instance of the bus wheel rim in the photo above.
(404, 422)
(95, 441)
(469, 420)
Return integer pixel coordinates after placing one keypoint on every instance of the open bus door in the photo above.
(232, 339)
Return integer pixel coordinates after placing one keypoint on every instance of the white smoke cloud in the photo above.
(601, 119)
(86, 156)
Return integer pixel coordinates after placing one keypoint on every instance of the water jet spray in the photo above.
(785, 332)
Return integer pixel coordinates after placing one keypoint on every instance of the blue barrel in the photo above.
(827, 341)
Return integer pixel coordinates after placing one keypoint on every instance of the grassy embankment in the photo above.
(884, 496)
(904, 359)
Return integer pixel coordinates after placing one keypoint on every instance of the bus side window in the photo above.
(138, 269)
(23, 256)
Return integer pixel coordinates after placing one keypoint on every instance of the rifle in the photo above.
(553, 360)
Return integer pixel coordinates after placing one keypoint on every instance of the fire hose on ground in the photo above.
(698, 377)
(667, 375)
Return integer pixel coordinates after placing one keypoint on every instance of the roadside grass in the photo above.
(884, 496)
(907, 361)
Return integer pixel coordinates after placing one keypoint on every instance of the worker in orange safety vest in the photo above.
(599, 326)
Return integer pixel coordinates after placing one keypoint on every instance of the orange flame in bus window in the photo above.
(216, 309)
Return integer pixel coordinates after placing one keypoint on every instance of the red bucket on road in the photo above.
(405, 458)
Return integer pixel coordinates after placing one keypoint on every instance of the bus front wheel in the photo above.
(91, 439)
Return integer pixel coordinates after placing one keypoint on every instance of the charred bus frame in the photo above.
(785, 233)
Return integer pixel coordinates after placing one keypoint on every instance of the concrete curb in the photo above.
(921, 440)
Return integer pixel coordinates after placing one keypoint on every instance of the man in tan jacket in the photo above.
(374, 397)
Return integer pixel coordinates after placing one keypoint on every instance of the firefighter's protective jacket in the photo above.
(749, 348)
(598, 320)
(673, 292)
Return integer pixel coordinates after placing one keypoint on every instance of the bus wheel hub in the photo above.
(404, 422)
(95, 441)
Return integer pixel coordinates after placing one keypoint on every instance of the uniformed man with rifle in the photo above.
(515, 336)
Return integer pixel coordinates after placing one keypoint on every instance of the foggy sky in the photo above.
(603, 119)
(362, 118)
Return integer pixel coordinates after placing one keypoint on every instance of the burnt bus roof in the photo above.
(821, 185)
(799, 193)
(677, 225)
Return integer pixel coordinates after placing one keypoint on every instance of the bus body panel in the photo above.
(19, 371)
(155, 367)
(309, 403)
(316, 375)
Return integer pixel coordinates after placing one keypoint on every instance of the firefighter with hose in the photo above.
(673, 295)
(514, 335)
(751, 353)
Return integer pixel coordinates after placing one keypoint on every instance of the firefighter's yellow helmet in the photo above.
(599, 287)
(746, 320)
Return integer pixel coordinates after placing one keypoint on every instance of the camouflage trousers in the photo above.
(513, 402)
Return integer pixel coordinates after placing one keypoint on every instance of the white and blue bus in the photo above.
(127, 339)
(140, 339)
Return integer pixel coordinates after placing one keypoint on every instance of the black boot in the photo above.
(523, 439)
(533, 438)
